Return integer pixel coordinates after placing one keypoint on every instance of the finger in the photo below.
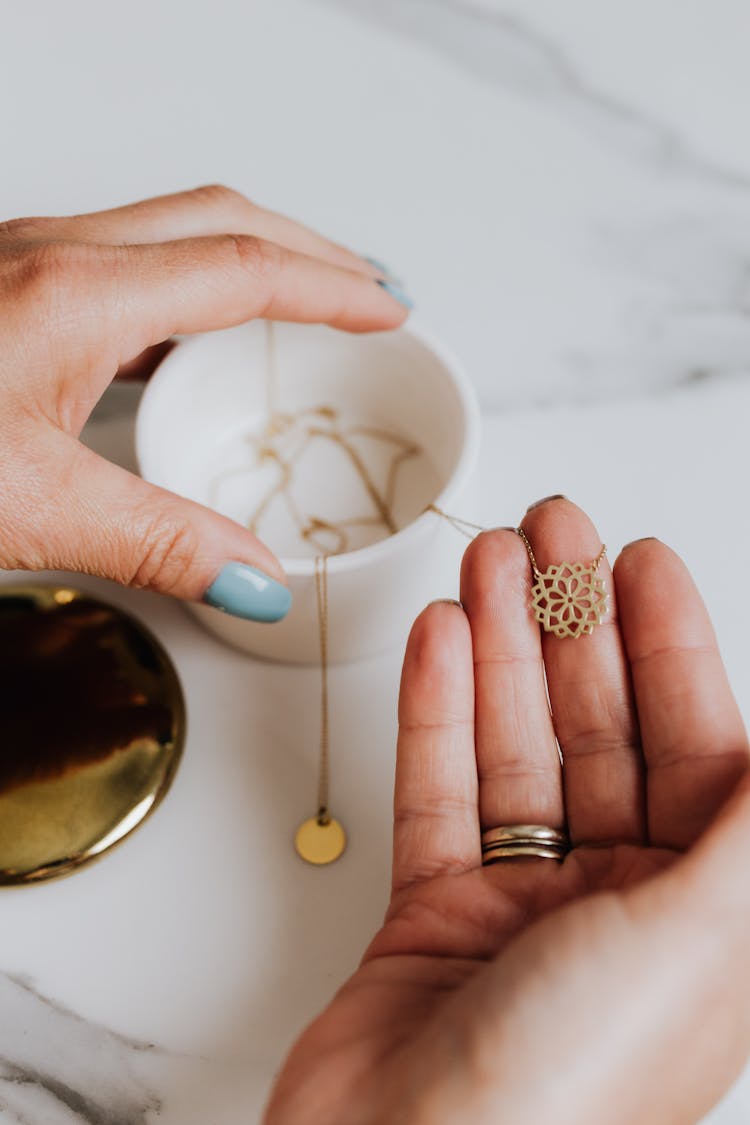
(694, 740)
(700, 907)
(105, 305)
(213, 209)
(435, 804)
(517, 757)
(144, 365)
(590, 694)
(83, 514)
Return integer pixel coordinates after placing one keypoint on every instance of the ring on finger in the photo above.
(511, 841)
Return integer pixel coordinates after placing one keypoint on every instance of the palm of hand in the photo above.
(437, 938)
(474, 915)
(460, 948)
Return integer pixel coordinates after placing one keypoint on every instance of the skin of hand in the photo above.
(613, 987)
(82, 298)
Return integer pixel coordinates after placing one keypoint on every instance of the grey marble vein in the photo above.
(57, 1067)
(671, 257)
(503, 49)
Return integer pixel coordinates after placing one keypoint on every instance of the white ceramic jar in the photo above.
(197, 435)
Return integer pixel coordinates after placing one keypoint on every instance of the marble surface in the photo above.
(566, 190)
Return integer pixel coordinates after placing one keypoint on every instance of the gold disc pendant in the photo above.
(569, 599)
(320, 840)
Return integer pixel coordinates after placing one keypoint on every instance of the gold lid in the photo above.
(92, 726)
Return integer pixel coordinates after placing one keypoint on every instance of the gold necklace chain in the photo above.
(287, 436)
(460, 525)
(321, 839)
(321, 593)
(534, 566)
(283, 440)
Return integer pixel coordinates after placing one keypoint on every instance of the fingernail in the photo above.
(545, 500)
(246, 592)
(446, 601)
(381, 267)
(396, 292)
(643, 539)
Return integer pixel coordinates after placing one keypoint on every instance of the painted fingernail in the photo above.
(396, 292)
(643, 539)
(243, 591)
(545, 500)
(381, 267)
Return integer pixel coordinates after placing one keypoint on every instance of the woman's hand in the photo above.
(612, 988)
(84, 297)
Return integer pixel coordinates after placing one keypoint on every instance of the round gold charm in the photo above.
(320, 840)
(569, 599)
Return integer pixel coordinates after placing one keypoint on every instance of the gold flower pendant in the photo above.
(569, 599)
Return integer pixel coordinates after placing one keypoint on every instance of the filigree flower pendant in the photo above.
(569, 599)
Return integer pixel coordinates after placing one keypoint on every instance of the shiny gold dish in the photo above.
(92, 725)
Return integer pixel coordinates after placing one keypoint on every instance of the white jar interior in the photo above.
(202, 431)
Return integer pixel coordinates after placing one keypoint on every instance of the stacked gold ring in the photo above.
(510, 841)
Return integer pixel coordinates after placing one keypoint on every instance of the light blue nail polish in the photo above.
(389, 274)
(244, 591)
(396, 292)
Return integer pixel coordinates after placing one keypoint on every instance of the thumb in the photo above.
(94, 517)
(715, 869)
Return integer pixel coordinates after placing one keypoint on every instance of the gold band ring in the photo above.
(514, 851)
(541, 833)
(509, 841)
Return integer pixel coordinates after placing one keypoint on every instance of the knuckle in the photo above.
(220, 196)
(25, 229)
(63, 283)
(54, 265)
(255, 256)
(427, 868)
(167, 553)
(442, 808)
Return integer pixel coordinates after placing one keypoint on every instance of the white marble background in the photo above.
(566, 191)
